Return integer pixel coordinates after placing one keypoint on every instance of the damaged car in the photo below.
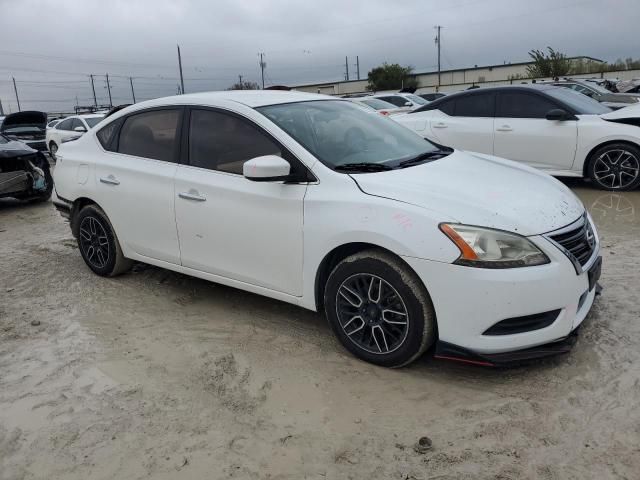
(27, 127)
(24, 172)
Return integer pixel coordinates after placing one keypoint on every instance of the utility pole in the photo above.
(180, 67)
(109, 89)
(438, 42)
(240, 83)
(133, 94)
(95, 101)
(15, 89)
(1, 109)
(358, 66)
(346, 67)
(263, 64)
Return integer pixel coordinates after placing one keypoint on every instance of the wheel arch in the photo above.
(77, 205)
(585, 166)
(339, 253)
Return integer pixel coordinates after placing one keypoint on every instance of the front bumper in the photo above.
(468, 301)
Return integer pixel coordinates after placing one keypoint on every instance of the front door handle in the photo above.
(192, 195)
(504, 128)
(110, 180)
(440, 125)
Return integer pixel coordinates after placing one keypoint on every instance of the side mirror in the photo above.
(268, 168)
(80, 129)
(559, 115)
(408, 104)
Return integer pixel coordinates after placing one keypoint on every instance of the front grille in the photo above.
(578, 243)
(527, 323)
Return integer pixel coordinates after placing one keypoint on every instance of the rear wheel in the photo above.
(379, 309)
(615, 167)
(98, 243)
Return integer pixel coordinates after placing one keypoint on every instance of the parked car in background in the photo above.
(430, 97)
(24, 171)
(554, 129)
(70, 128)
(599, 93)
(54, 122)
(311, 200)
(28, 127)
(402, 99)
(379, 105)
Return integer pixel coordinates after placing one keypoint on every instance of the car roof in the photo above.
(250, 98)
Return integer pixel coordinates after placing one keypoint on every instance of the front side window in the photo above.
(77, 123)
(338, 133)
(522, 105)
(151, 135)
(475, 105)
(396, 100)
(65, 124)
(223, 142)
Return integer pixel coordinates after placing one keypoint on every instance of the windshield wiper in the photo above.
(362, 167)
(425, 156)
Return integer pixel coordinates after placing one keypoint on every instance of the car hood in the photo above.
(481, 190)
(25, 119)
(632, 111)
(13, 148)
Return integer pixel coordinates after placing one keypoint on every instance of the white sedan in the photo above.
(71, 128)
(551, 128)
(311, 200)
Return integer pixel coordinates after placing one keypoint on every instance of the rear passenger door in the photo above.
(523, 134)
(229, 226)
(466, 122)
(134, 181)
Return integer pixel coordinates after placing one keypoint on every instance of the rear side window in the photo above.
(522, 105)
(151, 135)
(476, 105)
(105, 134)
(223, 142)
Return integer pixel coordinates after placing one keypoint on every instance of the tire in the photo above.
(367, 298)
(622, 160)
(53, 148)
(98, 243)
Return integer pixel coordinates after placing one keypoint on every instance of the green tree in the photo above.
(391, 77)
(551, 64)
(244, 85)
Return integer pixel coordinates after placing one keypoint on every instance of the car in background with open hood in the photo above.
(24, 171)
(28, 127)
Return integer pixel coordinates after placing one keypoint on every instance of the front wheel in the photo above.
(379, 309)
(53, 149)
(615, 167)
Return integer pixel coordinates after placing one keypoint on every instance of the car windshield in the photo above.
(378, 104)
(582, 104)
(92, 121)
(3, 139)
(339, 133)
(416, 99)
(598, 88)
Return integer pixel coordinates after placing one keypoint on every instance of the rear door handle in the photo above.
(192, 195)
(440, 125)
(504, 128)
(110, 180)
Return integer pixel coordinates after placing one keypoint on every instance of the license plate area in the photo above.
(594, 273)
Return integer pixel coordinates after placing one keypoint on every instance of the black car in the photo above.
(29, 127)
(24, 172)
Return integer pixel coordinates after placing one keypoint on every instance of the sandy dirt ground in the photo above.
(158, 375)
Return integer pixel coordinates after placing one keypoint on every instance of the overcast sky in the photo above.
(51, 47)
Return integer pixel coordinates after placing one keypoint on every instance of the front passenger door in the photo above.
(230, 226)
(523, 134)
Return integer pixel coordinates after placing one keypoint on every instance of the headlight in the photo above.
(488, 248)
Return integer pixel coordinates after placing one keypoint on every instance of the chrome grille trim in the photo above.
(578, 241)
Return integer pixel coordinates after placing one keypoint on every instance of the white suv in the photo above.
(311, 200)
